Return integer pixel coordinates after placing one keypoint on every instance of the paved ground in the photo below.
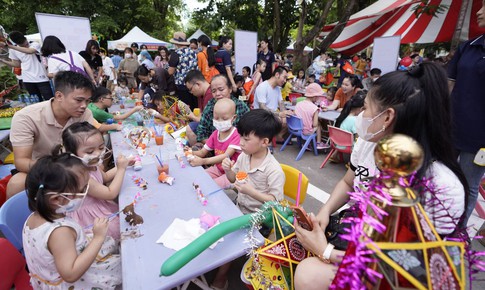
(322, 182)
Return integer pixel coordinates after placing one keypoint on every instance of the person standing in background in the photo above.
(267, 55)
(223, 59)
(116, 58)
(92, 57)
(26, 55)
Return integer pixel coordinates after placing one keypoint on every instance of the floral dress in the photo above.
(104, 273)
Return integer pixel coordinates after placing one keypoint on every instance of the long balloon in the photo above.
(192, 250)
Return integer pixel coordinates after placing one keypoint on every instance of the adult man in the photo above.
(116, 58)
(181, 61)
(134, 48)
(26, 55)
(199, 87)
(268, 94)
(37, 128)
(108, 70)
(375, 73)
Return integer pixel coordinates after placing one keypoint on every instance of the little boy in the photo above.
(265, 177)
(224, 141)
(101, 100)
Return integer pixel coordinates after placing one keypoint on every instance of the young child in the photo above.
(311, 79)
(121, 89)
(328, 100)
(346, 119)
(87, 144)
(170, 109)
(240, 92)
(265, 180)
(224, 142)
(307, 111)
(299, 81)
(265, 176)
(101, 100)
(59, 254)
(287, 88)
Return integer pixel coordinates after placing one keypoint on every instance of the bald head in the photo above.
(224, 109)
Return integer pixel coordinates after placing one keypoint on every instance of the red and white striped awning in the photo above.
(396, 17)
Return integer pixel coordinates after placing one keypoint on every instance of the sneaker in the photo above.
(321, 146)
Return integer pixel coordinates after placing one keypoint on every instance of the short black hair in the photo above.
(193, 76)
(260, 122)
(143, 46)
(128, 49)
(134, 44)
(17, 37)
(142, 70)
(116, 51)
(312, 76)
(193, 40)
(68, 81)
(375, 71)
(100, 92)
(52, 45)
(52, 173)
(279, 70)
(238, 78)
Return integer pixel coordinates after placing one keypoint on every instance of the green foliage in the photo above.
(113, 19)
(8, 79)
(427, 8)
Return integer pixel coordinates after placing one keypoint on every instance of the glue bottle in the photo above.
(137, 165)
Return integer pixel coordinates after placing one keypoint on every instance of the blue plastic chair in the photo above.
(295, 128)
(13, 214)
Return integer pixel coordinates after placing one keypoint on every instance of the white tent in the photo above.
(136, 35)
(290, 48)
(34, 37)
(199, 33)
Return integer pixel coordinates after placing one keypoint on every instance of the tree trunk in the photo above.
(277, 25)
(334, 34)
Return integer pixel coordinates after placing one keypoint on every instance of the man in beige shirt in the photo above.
(36, 129)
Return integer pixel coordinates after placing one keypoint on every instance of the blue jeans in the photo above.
(473, 174)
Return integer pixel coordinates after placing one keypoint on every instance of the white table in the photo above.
(160, 204)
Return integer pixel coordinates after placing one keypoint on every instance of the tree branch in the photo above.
(333, 35)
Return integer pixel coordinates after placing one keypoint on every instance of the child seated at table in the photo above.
(307, 111)
(170, 109)
(327, 101)
(101, 100)
(287, 87)
(58, 252)
(86, 143)
(224, 141)
(121, 89)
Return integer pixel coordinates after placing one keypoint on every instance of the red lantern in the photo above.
(406, 61)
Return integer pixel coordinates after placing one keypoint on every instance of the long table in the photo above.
(159, 205)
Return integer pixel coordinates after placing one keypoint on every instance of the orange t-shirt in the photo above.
(340, 96)
(203, 64)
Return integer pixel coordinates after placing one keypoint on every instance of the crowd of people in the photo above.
(60, 151)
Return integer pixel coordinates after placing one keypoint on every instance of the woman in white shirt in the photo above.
(414, 103)
(53, 47)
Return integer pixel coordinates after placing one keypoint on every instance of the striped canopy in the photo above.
(396, 17)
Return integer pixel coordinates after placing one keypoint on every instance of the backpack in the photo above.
(72, 66)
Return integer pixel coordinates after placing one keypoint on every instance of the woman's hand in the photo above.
(315, 240)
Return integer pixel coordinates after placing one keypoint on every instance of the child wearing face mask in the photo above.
(224, 141)
(59, 254)
(86, 143)
(121, 89)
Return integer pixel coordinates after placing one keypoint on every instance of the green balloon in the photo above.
(192, 250)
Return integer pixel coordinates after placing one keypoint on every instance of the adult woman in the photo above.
(223, 59)
(60, 58)
(414, 103)
(266, 54)
(350, 85)
(205, 58)
(161, 60)
(92, 57)
(128, 67)
(153, 80)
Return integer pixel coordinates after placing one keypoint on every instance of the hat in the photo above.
(290, 75)
(146, 55)
(179, 38)
(313, 90)
(134, 44)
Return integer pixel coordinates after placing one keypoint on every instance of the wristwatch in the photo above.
(325, 256)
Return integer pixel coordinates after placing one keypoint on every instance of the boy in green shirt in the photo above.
(101, 100)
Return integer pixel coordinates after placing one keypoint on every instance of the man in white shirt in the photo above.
(26, 55)
(108, 70)
(268, 94)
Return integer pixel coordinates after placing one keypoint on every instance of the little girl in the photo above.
(58, 253)
(224, 141)
(122, 90)
(346, 119)
(328, 98)
(257, 75)
(300, 81)
(87, 144)
(307, 111)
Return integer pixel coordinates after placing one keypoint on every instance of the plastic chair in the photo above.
(291, 183)
(300, 99)
(13, 214)
(12, 268)
(295, 128)
(294, 96)
(478, 207)
(339, 138)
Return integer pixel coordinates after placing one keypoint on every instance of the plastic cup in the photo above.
(161, 169)
(159, 139)
(138, 103)
(197, 112)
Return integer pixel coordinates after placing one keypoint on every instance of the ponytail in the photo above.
(357, 101)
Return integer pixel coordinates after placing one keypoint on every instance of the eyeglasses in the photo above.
(191, 88)
(108, 98)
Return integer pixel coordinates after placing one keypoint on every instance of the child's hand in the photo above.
(197, 161)
(100, 227)
(137, 108)
(118, 127)
(123, 162)
(243, 187)
(227, 164)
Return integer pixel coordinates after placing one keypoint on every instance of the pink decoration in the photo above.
(207, 220)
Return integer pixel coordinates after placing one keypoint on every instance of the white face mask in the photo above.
(73, 204)
(362, 124)
(93, 160)
(127, 55)
(222, 126)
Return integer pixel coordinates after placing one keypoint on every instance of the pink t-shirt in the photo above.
(305, 111)
(220, 146)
